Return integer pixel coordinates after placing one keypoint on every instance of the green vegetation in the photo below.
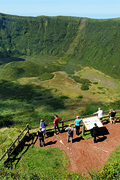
(32, 50)
(44, 71)
(19, 104)
(85, 87)
(46, 76)
(7, 136)
(83, 41)
(40, 35)
(85, 82)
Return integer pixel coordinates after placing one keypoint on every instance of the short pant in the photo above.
(44, 130)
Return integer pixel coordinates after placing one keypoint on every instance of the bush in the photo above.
(81, 80)
(95, 82)
(85, 87)
(80, 96)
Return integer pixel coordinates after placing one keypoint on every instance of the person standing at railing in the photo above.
(41, 137)
(56, 121)
(99, 113)
(77, 125)
(42, 125)
(112, 114)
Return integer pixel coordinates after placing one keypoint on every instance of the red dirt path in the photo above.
(85, 155)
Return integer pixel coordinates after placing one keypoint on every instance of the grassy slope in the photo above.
(85, 41)
(40, 35)
(73, 43)
(101, 44)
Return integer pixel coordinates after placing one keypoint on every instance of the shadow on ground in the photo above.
(20, 150)
(77, 139)
(100, 139)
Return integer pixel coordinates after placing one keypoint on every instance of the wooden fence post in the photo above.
(62, 124)
(28, 128)
(18, 140)
(83, 130)
(7, 153)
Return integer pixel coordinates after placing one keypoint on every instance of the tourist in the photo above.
(95, 132)
(41, 137)
(99, 113)
(42, 125)
(112, 114)
(56, 121)
(77, 125)
(69, 133)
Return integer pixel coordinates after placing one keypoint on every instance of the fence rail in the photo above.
(63, 121)
(12, 146)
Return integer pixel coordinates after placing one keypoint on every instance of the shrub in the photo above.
(111, 171)
(95, 82)
(85, 87)
(64, 97)
(80, 96)
(101, 88)
(76, 78)
(81, 80)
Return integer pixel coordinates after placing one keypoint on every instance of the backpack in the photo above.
(70, 131)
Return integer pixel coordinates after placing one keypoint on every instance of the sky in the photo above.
(96, 9)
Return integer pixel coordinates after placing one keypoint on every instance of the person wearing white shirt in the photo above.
(99, 113)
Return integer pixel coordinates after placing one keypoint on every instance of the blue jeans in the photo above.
(55, 128)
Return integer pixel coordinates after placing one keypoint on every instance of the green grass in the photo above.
(7, 136)
(38, 163)
(46, 163)
(86, 135)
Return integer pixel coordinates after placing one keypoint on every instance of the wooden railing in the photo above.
(27, 128)
(71, 120)
(18, 140)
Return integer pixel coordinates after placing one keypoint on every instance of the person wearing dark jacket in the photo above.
(95, 132)
(112, 114)
(41, 137)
